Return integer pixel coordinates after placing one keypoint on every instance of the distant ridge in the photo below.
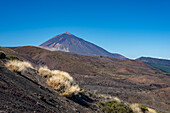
(161, 64)
(68, 42)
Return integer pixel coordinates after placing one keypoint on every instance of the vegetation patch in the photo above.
(18, 66)
(138, 108)
(60, 81)
(2, 55)
(143, 108)
(114, 107)
(45, 72)
(12, 58)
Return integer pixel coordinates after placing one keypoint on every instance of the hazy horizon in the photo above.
(131, 28)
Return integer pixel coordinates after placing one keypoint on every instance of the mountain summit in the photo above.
(68, 42)
(68, 33)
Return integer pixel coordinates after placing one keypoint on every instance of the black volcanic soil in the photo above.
(130, 80)
(27, 92)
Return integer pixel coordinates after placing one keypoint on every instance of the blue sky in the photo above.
(132, 28)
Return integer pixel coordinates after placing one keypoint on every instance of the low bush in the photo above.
(143, 108)
(114, 107)
(158, 111)
(135, 108)
(138, 108)
(45, 72)
(72, 90)
(17, 66)
(62, 74)
(12, 58)
(60, 81)
(2, 55)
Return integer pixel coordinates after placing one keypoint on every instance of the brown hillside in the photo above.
(83, 64)
(130, 80)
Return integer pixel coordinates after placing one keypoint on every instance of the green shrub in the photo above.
(2, 55)
(12, 58)
(158, 111)
(114, 107)
(157, 72)
(143, 108)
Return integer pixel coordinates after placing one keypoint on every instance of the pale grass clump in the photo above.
(45, 72)
(57, 83)
(106, 97)
(66, 87)
(151, 111)
(135, 108)
(60, 81)
(62, 74)
(116, 99)
(27, 64)
(18, 66)
(74, 89)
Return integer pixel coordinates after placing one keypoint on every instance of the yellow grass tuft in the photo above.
(65, 86)
(151, 111)
(74, 89)
(116, 99)
(62, 74)
(60, 81)
(18, 66)
(45, 72)
(135, 108)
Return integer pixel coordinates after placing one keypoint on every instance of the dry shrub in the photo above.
(151, 111)
(18, 66)
(62, 74)
(65, 86)
(45, 72)
(74, 89)
(26, 64)
(60, 81)
(138, 108)
(116, 99)
(135, 108)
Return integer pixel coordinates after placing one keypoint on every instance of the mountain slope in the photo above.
(130, 80)
(83, 64)
(24, 90)
(162, 64)
(27, 92)
(69, 43)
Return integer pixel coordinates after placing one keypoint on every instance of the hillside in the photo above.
(24, 88)
(130, 80)
(27, 92)
(68, 42)
(161, 64)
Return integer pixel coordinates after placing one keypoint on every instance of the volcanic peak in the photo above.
(67, 33)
